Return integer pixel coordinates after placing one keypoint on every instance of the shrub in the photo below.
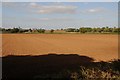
(51, 31)
(41, 30)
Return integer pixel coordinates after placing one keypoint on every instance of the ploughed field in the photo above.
(98, 46)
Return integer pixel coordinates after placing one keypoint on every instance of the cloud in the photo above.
(39, 8)
(54, 8)
(96, 10)
(53, 19)
(33, 4)
(9, 4)
(13, 4)
(41, 19)
(92, 10)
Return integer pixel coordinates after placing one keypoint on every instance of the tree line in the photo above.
(80, 30)
(94, 30)
(20, 30)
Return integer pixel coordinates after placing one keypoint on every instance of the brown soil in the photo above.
(98, 46)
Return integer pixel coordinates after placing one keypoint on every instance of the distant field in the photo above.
(98, 46)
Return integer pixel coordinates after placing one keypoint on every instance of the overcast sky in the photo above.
(53, 15)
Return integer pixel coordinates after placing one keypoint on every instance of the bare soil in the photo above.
(98, 46)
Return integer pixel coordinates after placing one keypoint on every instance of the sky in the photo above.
(59, 0)
(56, 15)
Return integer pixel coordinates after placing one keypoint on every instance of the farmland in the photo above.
(98, 46)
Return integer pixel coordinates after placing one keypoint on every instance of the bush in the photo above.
(51, 31)
(41, 30)
(96, 73)
(14, 30)
(70, 30)
(83, 30)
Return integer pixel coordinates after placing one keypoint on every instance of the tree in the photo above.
(76, 30)
(99, 30)
(14, 30)
(116, 30)
(88, 29)
(94, 30)
(51, 31)
(70, 30)
(41, 30)
(83, 30)
(106, 29)
(0, 29)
